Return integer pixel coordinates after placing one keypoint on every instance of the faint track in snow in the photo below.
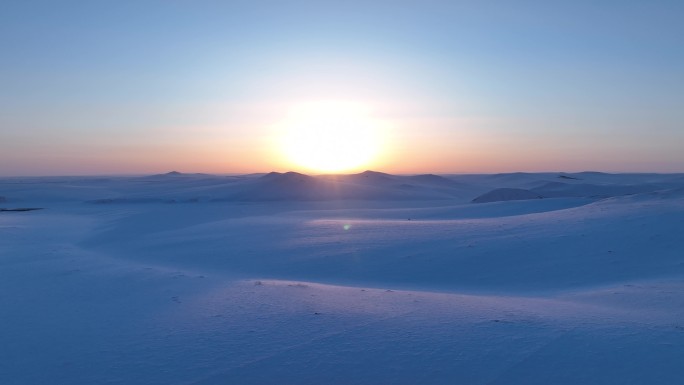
(216, 375)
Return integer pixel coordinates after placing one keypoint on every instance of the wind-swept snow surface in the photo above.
(296, 279)
(507, 194)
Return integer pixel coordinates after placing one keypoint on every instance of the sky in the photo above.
(132, 87)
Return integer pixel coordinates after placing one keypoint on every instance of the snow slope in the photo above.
(281, 279)
(507, 194)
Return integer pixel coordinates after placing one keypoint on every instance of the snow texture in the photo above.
(285, 278)
(507, 194)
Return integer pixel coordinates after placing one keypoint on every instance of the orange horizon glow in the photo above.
(405, 141)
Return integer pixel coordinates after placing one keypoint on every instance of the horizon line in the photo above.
(175, 172)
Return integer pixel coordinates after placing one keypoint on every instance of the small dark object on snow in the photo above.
(22, 209)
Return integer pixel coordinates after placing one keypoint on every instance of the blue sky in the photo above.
(474, 86)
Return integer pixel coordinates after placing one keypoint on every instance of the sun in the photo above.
(330, 136)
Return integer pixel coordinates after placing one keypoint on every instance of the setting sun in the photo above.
(330, 136)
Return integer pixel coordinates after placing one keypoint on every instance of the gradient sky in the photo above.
(102, 87)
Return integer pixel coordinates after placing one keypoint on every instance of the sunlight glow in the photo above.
(330, 136)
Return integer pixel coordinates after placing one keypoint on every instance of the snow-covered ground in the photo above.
(358, 279)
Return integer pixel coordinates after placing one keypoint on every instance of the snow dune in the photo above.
(360, 279)
(507, 194)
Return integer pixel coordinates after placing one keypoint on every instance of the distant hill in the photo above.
(176, 174)
(368, 185)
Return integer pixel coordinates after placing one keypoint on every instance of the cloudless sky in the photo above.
(101, 87)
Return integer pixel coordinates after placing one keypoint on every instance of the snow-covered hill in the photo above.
(362, 279)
